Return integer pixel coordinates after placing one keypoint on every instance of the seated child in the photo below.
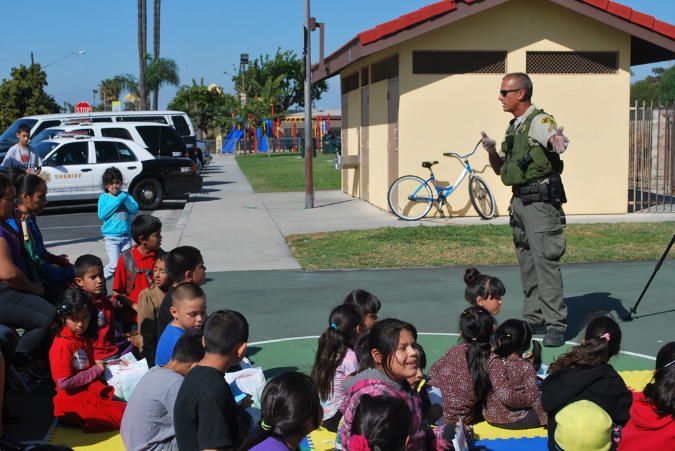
(206, 414)
(369, 303)
(652, 416)
(584, 372)
(188, 311)
(484, 291)
(148, 419)
(148, 305)
(335, 360)
(515, 341)
(134, 268)
(390, 358)
(183, 264)
(462, 372)
(432, 412)
(110, 344)
(81, 398)
(381, 423)
(283, 424)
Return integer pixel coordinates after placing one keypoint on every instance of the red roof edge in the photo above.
(645, 20)
(407, 20)
(619, 10)
(664, 28)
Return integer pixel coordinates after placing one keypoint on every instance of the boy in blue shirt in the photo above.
(189, 312)
(115, 208)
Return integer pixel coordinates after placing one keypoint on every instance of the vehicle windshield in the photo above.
(9, 137)
(44, 147)
(45, 134)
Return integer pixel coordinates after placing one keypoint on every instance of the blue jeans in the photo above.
(114, 246)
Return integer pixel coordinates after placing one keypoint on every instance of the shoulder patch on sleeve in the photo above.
(549, 120)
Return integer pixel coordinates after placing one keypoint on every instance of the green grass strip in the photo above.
(281, 172)
(454, 245)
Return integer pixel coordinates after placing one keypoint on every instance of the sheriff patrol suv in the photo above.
(73, 166)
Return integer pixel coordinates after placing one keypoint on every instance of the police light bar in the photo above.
(76, 135)
(75, 121)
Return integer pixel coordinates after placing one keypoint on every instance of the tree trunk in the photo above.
(142, 49)
(156, 28)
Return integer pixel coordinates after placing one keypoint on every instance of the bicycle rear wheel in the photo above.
(402, 202)
(481, 197)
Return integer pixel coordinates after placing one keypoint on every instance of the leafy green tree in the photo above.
(667, 85)
(110, 91)
(643, 91)
(285, 67)
(207, 107)
(24, 95)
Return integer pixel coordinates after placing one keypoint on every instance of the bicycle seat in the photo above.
(428, 164)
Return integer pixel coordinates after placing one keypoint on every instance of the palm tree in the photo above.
(155, 28)
(160, 72)
(142, 48)
(110, 91)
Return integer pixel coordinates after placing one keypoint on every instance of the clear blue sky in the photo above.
(207, 36)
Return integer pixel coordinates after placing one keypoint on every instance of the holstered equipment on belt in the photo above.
(532, 193)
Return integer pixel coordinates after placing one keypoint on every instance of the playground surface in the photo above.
(287, 309)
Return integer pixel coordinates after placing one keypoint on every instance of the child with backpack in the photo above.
(115, 208)
(135, 266)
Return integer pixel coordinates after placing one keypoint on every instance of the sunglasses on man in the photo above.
(503, 92)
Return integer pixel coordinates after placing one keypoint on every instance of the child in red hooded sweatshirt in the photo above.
(81, 398)
(652, 416)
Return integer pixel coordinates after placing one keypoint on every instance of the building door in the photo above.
(364, 144)
(392, 130)
(344, 132)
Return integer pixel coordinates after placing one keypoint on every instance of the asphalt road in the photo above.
(81, 222)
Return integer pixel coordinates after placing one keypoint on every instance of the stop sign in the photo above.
(83, 107)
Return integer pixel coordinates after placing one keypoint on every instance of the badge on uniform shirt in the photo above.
(101, 318)
(80, 359)
(549, 120)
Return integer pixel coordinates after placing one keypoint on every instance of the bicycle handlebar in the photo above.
(450, 154)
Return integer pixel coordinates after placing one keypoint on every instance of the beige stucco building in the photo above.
(428, 83)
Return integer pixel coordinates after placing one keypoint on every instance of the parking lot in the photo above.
(67, 225)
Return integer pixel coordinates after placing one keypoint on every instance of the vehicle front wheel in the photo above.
(148, 194)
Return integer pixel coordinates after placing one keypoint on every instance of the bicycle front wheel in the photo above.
(481, 198)
(410, 198)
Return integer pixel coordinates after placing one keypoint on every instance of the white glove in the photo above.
(489, 144)
(560, 141)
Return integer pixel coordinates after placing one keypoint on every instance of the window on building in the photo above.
(364, 76)
(350, 83)
(572, 62)
(458, 62)
(387, 68)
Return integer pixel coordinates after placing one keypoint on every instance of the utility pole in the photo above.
(242, 96)
(309, 171)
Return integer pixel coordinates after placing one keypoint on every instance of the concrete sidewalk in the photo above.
(239, 230)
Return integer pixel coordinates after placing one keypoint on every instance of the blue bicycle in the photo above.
(410, 197)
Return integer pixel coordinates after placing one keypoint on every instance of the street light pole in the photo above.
(309, 170)
(61, 59)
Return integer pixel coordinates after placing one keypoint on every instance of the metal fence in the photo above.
(651, 159)
(274, 145)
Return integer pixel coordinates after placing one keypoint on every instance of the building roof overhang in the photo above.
(652, 40)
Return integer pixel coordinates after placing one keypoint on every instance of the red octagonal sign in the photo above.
(83, 107)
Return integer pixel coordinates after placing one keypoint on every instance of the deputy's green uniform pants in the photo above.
(540, 243)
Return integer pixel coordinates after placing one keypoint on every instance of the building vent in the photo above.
(364, 76)
(449, 62)
(350, 83)
(572, 62)
(385, 69)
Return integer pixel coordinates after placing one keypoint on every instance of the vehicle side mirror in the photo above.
(49, 162)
